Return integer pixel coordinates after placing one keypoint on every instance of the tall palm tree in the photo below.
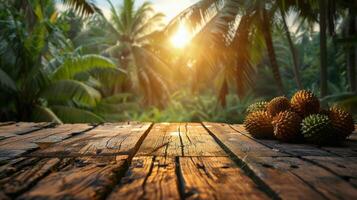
(38, 70)
(323, 47)
(293, 51)
(127, 37)
(228, 27)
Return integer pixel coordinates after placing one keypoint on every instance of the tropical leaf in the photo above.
(75, 115)
(83, 7)
(118, 98)
(44, 114)
(63, 91)
(73, 66)
(6, 81)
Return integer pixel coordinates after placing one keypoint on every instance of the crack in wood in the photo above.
(248, 171)
(297, 156)
(182, 146)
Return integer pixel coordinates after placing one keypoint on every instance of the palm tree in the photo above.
(39, 71)
(323, 48)
(293, 51)
(128, 37)
(83, 7)
(228, 27)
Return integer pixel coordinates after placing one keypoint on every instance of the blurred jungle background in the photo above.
(71, 61)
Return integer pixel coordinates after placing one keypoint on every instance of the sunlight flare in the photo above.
(182, 37)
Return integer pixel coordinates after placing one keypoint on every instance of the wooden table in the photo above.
(132, 160)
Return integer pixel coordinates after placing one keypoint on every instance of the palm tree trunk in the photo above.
(271, 51)
(223, 93)
(323, 48)
(351, 64)
(293, 51)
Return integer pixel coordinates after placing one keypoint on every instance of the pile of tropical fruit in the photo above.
(299, 119)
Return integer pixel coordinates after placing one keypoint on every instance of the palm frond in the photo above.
(63, 91)
(75, 115)
(6, 81)
(44, 114)
(83, 7)
(73, 66)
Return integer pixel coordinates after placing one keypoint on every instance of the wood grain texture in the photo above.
(287, 148)
(19, 176)
(238, 142)
(107, 139)
(83, 178)
(281, 181)
(346, 168)
(216, 178)
(17, 146)
(179, 139)
(321, 180)
(132, 160)
(148, 178)
(8, 130)
(21, 128)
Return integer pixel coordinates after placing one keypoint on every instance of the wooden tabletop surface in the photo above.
(131, 160)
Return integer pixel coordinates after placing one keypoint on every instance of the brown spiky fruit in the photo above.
(259, 124)
(342, 122)
(305, 103)
(287, 126)
(277, 105)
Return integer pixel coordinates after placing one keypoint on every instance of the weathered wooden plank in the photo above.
(18, 176)
(238, 142)
(316, 177)
(216, 178)
(313, 153)
(84, 178)
(176, 139)
(21, 128)
(323, 181)
(343, 167)
(107, 139)
(347, 149)
(14, 129)
(6, 123)
(326, 157)
(17, 146)
(282, 182)
(148, 178)
(291, 149)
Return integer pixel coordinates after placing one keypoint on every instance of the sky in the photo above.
(169, 7)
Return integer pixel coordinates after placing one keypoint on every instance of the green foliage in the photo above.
(183, 107)
(44, 114)
(72, 66)
(75, 115)
(63, 91)
(6, 82)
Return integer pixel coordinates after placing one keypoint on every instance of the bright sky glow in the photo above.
(169, 8)
(181, 38)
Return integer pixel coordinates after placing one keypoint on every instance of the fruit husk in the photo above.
(305, 103)
(287, 127)
(259, 124)
(277, 105)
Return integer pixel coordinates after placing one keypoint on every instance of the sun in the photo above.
(181, 38)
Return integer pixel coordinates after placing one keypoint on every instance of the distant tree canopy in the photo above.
(80, 66)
